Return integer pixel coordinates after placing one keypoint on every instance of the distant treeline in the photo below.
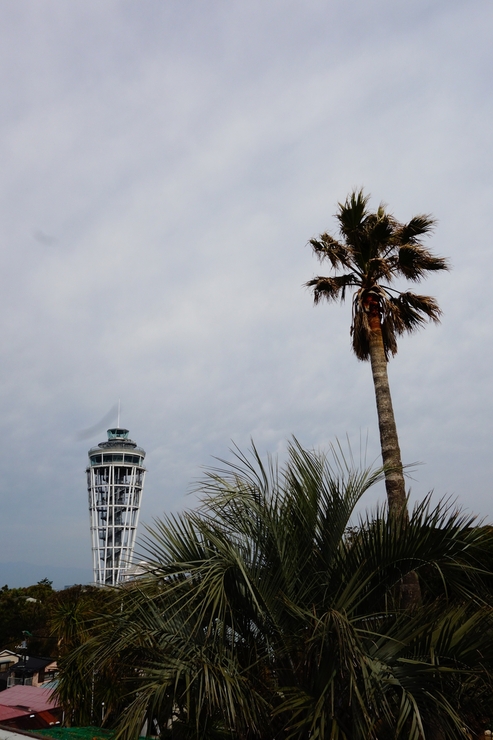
(36, 609)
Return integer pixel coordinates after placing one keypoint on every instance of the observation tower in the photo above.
(115, 481)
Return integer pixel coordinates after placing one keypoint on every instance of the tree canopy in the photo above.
(28, 609)
(264, 614)
(375, 250)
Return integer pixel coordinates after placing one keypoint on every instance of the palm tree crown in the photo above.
(376, 250)
(262, 616)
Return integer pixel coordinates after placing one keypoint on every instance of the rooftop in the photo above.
(32, 698)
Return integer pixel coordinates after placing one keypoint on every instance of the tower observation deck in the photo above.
(115, 481)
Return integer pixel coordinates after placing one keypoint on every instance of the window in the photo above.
(112, 458)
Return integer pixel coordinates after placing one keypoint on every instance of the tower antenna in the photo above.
(118, 425)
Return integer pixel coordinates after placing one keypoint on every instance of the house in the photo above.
(26, 670)
(7, 660)
(29, 708)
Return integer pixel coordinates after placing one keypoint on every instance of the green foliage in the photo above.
(264, 615)
(74, 620)
(27, 609)
(76, 733)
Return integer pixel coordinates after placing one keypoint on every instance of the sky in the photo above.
(164, 164)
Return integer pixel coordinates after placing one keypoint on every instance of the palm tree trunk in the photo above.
(409, 590)
(389, 441)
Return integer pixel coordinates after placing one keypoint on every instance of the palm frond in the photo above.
(418, 226)
(331, 288)
(352, 212)
(379, 268)
(378, 230)
(414, 310)
(360, 330)
(414, 261)
(326, 247)
(389, 331)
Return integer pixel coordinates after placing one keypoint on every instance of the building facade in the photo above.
(115, 481)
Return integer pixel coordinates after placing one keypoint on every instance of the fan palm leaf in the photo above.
(264, 614)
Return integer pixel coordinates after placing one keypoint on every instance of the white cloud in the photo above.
(179, 156)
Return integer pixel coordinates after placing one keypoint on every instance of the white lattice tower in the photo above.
(115, 481)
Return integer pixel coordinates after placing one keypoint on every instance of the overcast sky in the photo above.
(164, 163)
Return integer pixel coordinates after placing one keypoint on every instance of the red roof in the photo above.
(10, 712)
(28, 698)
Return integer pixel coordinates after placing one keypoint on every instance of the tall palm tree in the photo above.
(374, 251)
(263, 617)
